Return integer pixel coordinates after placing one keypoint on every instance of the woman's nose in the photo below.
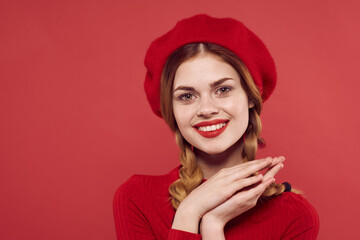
(207, 107)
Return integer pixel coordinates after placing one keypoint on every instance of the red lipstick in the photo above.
(211, 133)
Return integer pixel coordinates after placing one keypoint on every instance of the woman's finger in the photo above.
(240, 171)
(245, 182)
(247, 199)
(256, 191)
(271, 172)
(258, 164)
(267, 160)
(251, 169)
(277, 160)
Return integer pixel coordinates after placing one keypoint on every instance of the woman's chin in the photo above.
(218, 148)
(212, 150)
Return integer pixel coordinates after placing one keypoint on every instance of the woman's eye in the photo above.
(186, 97)
(223, 90)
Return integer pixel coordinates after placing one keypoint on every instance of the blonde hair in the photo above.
(190, 175)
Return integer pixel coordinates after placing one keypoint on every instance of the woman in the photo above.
(208, 78)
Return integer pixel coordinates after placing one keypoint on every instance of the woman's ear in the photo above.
(251, 104)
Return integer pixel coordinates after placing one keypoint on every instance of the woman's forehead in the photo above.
(203, 70)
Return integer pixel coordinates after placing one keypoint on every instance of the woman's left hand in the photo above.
(213, 222)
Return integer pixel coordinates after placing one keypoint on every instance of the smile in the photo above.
(211, 129)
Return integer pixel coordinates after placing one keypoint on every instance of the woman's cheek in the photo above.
(183, 115)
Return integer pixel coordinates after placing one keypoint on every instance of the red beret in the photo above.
(226, 32)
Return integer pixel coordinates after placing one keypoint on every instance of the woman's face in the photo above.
(210, 106)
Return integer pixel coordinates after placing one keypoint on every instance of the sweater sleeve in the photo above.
(305, 226)
(132, 224)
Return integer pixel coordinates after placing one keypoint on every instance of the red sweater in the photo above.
(142, 211)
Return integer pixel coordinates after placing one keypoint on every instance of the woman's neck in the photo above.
(212, 163)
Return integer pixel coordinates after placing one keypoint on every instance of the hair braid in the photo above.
(250, 147)
(190, 174)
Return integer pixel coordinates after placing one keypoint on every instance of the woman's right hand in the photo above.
(217, 189)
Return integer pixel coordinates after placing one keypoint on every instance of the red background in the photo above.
(75, 123)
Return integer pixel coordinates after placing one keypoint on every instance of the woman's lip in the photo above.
(211, 122)
(211, 134)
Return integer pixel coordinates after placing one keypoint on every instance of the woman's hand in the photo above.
(225, 183)
(213, 221)
(220, 189)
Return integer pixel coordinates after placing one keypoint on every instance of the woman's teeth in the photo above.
(212, 127)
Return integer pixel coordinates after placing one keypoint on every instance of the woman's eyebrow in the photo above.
(184, 88)
(219, 82)
(212, 85)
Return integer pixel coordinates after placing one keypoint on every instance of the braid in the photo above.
(252, 134)
(250, 147)
(190, 174)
